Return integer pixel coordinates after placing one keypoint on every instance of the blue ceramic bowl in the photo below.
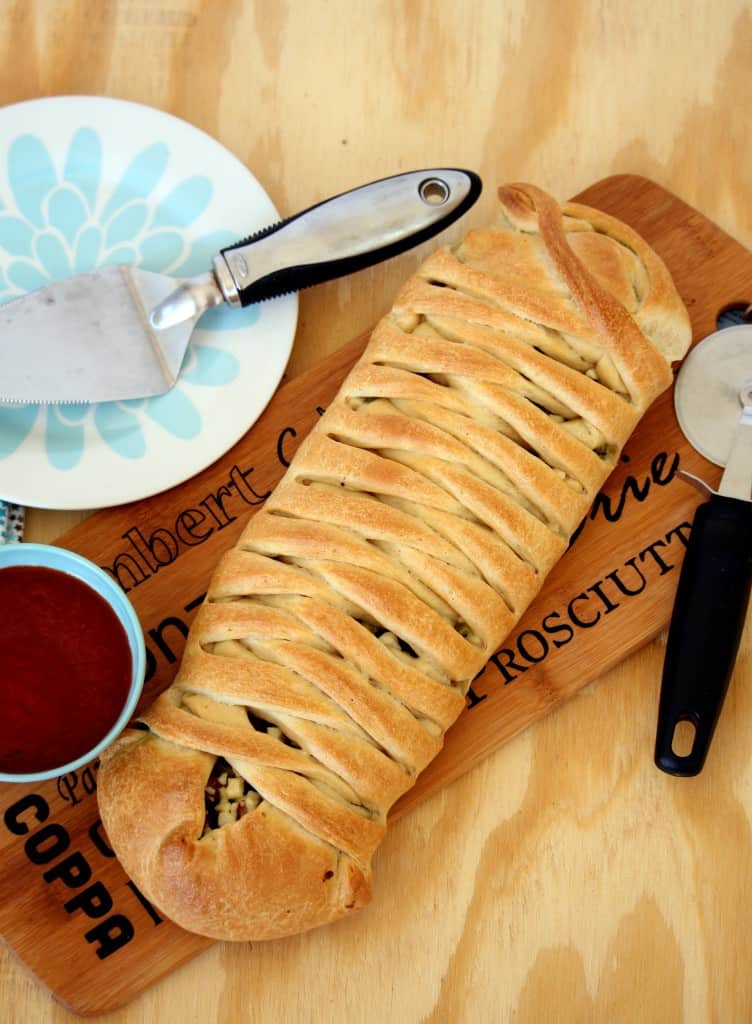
(75, 565)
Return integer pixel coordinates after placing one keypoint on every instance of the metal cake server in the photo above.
(122, 332)
(713, 400)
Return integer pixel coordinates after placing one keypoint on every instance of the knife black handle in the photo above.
(346, 233)
(706, 626)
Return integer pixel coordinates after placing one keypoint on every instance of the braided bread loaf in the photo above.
(412, 529)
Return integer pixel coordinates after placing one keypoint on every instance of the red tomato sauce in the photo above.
(65, 668)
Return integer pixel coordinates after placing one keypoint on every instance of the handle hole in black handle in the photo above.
(683, 739)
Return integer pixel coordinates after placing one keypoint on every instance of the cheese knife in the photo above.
(121, 332)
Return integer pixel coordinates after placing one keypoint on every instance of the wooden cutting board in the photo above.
(66, 907)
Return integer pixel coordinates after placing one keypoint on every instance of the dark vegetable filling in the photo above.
(227, 797)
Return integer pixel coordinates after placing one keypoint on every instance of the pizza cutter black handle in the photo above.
(349, 232)
(706, 626)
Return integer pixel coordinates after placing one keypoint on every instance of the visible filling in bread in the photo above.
(227, 797)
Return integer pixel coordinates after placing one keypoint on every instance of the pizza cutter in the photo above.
(713, 402)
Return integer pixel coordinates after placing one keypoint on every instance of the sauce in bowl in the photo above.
(65, 668)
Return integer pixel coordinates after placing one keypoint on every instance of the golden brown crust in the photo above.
(214, 885)
(412, 529)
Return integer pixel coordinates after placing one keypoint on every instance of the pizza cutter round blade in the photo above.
(706, 394)
(713, 401)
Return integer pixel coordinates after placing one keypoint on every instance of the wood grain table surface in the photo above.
(565, 878)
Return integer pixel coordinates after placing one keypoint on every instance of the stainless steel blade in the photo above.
(89, 338)
(736, 481)
(706, 395)
(714, 382)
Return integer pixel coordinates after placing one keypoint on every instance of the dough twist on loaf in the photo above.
(414, 526)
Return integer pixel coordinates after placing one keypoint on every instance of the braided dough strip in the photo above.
(412, 529)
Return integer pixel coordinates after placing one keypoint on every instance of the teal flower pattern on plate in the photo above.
(65, 221)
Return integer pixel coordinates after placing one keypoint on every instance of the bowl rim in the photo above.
(50, 556)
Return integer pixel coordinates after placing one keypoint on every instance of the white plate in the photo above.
(85, 181)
